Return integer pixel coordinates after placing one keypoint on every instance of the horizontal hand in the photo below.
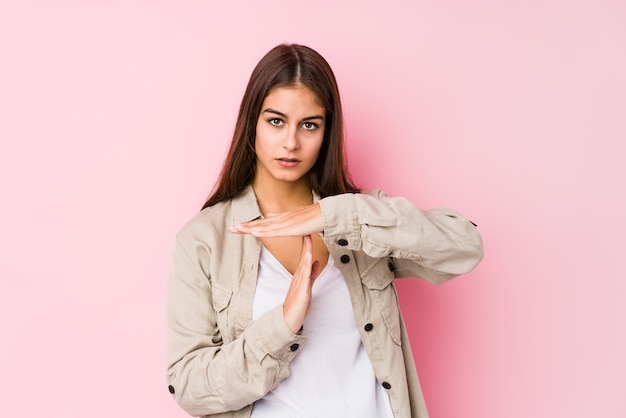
(299, 222)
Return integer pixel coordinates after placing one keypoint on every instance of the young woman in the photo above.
(281, 299)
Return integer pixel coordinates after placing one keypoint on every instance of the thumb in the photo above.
(316, 269)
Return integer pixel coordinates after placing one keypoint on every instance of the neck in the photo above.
(280, 196)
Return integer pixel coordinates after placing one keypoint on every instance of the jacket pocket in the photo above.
(221, 299)
(378, 275)
(378, 279)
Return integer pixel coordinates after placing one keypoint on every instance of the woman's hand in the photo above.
(298, 298)
(299, 222)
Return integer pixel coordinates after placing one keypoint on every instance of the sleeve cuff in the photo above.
(274, 336)
(341, 220)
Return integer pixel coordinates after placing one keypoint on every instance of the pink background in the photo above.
(114, 121)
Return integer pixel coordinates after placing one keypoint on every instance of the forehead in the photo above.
(292, 98)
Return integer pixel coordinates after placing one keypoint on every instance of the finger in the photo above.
(293, 224)
(298, 296)
(303, 272)
(308, 242)
(275, 221)
(306, 257)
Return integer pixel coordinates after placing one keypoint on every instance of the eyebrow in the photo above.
(282, 115)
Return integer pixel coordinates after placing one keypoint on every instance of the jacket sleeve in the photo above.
(206, 375)
(435, 245)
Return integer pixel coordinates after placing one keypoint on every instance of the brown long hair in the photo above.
(287, 65)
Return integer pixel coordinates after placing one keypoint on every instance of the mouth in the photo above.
(288, 162)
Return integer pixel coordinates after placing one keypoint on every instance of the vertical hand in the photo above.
(298, 298)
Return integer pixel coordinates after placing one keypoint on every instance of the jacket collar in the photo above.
(245, 206)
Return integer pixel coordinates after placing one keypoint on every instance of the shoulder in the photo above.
(374, 193)
(206, 224)
(212, 223)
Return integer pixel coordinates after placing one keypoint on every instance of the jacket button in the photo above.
(368, 327)
(343, 242)
(294, 346)
(386, 385)
(391, 267)
(171, 389)
(345, 259)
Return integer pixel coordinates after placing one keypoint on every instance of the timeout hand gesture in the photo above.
(299, 222)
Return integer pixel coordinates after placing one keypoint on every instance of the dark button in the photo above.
(386, 385)
(345, 259)
(294, 347)
(343, 242)
(171, 389)
(368, 327)
(473, 223)
(391, 267)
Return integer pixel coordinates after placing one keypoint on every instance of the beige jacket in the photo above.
(219, 361)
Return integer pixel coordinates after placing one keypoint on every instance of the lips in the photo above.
(288, 162)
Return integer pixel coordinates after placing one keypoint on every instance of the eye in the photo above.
(310, 126)
(275, 121)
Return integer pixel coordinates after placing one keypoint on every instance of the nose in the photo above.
(291, 141)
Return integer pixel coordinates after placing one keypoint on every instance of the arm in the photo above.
(207, 375)
(435, 245)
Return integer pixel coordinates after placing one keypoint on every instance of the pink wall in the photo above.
(114, 119)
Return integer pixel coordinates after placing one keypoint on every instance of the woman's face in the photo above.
(289, 134)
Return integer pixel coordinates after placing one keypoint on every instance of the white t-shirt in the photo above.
(332, 376)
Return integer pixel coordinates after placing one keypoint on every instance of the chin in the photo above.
(289, 178)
